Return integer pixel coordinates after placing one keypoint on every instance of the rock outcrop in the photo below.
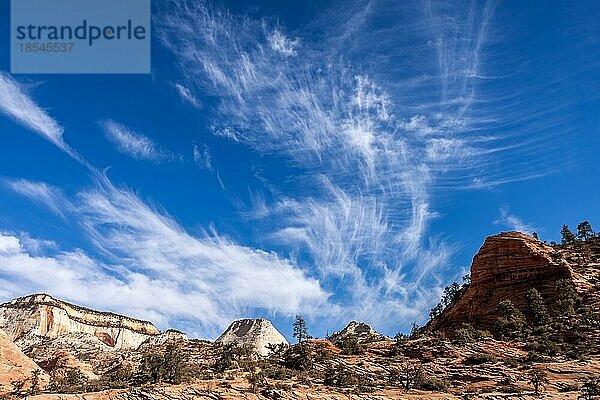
(39, 315)
(363, 332)
(255, 333)
(505, 268)
(16, 367)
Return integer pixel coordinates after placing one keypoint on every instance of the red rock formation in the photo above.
(505, 268)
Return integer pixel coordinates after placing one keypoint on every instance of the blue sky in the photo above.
(341, 160)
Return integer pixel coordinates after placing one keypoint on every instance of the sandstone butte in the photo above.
(37, 315)
(256, 333)
(505, 268)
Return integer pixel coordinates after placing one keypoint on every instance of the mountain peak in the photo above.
(257, 333)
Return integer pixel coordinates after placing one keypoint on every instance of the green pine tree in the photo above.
(568, 237)
(300, 329)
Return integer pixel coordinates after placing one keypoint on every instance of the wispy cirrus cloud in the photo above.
(18, 105)
(202, 157)
(364, 224)
(187, 96)
(132, 143)
(513, 222)
(49, 196)
(207, 280)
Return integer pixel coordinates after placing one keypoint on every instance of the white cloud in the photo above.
(40, 192)
(448, 150)
(157, 270)
(15, 103)
(513, 222)
(186, 95)
(280, 43)
(132, 143)
(202, 157)
(365, 223)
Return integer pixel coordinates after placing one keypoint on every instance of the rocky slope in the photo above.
(39, 315)
(505, 268)
(16, 367)
(255, 333)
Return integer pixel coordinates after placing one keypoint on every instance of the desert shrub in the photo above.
(543, 344)
(299, 357)
(467, 334)
(480, 358)
(119, 378)
(407, 375)
(590, 390)
(322, 352)
(257, 380)
(512, 362)
(18, 388)
(340, 376)
(71, 381)
(350, 345)
(431, 382)
(277, 372)
(169, 366)
(415, 331)
(277, 350)
(234, 355)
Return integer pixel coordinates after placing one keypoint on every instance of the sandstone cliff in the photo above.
(39, 315)
(505, 268)
(16, 367)
(256, 333)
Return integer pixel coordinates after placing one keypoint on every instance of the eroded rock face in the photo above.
(16, 367)
(256, 333)
(505, 268)
(40, 315)
(361, 330)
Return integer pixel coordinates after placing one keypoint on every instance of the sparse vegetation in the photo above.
(510, 322)
(480, 358)
(350, 345)
(467, 334)
(451, 295)
(590, 390)
(168, 366)
(538, 378)
(69, 381)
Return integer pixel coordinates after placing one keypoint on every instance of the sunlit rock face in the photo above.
(362, 331)
(255, 333)
(505, 268)
(39, 315)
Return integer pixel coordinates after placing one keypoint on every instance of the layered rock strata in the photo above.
(39, 315)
